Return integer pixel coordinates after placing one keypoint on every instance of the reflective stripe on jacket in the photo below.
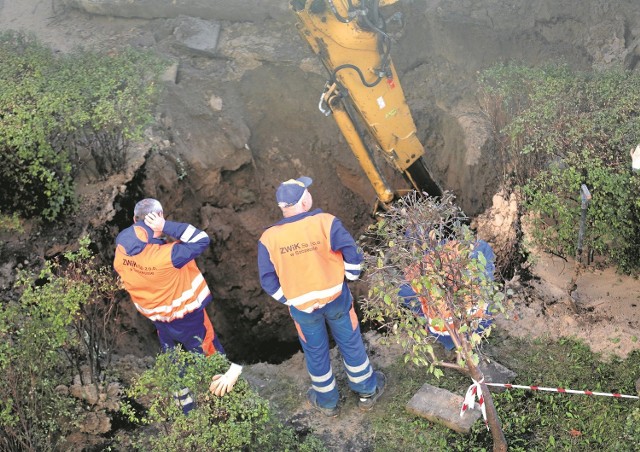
(162, 278)
(304, 259)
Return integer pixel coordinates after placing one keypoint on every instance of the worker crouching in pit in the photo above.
(440, 322)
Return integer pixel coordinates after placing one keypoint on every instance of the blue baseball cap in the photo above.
(290, 192)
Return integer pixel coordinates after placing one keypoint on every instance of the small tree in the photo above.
(423, 244)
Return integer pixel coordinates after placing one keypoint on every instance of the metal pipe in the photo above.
(585, 197)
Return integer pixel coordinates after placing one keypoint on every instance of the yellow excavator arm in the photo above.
(363, 92)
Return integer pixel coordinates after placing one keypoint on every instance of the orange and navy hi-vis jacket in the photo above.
(162, 278)
(303, 260)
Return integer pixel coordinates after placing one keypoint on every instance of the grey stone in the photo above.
(171, 74)
(197, 35)
(441, 406)
(494, 372)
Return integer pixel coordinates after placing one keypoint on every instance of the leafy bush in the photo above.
(96, 325)
(558, 129)
(11, 223)
(115, 93)
(49, 324)
(36, 177)
(241, 420)
(53, 107)
(31, 334)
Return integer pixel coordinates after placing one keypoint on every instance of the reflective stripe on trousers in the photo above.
(345, 329)
(184, 400)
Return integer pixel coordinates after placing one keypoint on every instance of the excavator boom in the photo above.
(363, 92)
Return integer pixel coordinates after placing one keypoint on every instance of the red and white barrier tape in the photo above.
(475, 391)
(563, 390)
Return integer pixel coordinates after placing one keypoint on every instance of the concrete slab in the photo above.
(197, 35)
(442, 406)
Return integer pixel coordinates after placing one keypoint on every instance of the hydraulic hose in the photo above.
(370, 8)
(344, 20)
(358, 71)
(377, 24)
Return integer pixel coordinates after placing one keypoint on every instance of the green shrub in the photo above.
(96, 325)
(31, 364)
(113, 95)
(51, 108)
(36, 177)
(241, 420)
(11, 223)
(61, 321)
(558, 129)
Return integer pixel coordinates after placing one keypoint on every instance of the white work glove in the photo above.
(155, 221)
(635, 159)
(221, 384)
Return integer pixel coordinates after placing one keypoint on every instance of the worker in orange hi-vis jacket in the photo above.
(167, 287)
(303, 261)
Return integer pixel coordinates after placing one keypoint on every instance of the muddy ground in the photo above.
(236, 121)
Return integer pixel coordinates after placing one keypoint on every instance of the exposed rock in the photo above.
(130, 366)
(197, 35)
(95, 422)
(62, 390)
(215, 103)
(87, 392)
(7, 274)
(171, 74)
(235, 10)
(494, 372)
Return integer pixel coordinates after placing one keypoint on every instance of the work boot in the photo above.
(313, 401)
(366, 402)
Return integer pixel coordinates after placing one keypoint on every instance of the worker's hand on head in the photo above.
(222, 384)
(155, 221)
